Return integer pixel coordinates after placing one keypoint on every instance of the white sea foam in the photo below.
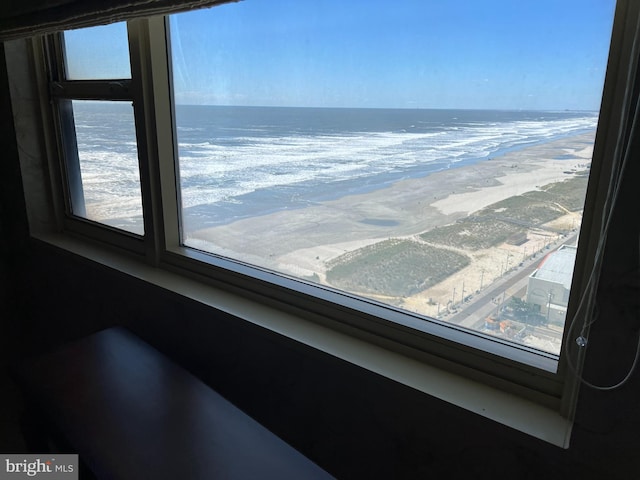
(213, 172)
(111, 182)
(237, 161)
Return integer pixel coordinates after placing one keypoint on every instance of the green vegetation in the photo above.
(399, 268)
(496, 223)
(524, 312)
(472, 233)
(394, 267)
(570, 193)
(520, 307)
(529, 209)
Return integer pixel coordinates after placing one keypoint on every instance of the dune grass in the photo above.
(394, 267)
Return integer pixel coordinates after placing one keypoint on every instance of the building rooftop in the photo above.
(557, 267)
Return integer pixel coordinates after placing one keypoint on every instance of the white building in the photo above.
(549, 284)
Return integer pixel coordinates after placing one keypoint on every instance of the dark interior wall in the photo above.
(607, 427)
(13, 241)
(352, 422)
(13, 218)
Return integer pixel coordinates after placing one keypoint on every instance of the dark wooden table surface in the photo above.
(131, 413)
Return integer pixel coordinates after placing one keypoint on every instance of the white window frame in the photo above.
(438, 361)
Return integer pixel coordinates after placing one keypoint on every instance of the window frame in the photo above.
(61, 93)
(515, 369)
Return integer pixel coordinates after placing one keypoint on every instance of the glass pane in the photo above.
(431, 156)
(97, 53)
(108, 163)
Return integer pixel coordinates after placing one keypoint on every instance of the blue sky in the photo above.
(503, 54)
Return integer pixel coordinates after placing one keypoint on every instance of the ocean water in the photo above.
(239, 162)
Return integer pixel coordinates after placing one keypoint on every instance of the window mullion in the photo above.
(151, 35)
(167, 140)
(144, 99)
(117, 89)
(72, 162)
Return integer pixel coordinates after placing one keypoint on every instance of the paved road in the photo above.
(482, 305)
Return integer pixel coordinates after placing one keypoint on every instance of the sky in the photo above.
(471, 54)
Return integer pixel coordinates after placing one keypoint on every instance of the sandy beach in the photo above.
(301, 241)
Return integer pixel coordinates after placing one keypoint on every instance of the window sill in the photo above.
(513, 411)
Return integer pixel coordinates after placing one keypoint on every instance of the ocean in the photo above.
(239, 162)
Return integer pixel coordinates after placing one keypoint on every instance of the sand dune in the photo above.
(300, 241)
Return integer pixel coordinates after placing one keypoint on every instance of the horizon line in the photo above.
(556, 110)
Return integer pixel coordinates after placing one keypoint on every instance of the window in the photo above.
(429, 158)
(97, 128)
(411, 173)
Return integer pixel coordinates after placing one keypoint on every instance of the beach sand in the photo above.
(301, 241)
